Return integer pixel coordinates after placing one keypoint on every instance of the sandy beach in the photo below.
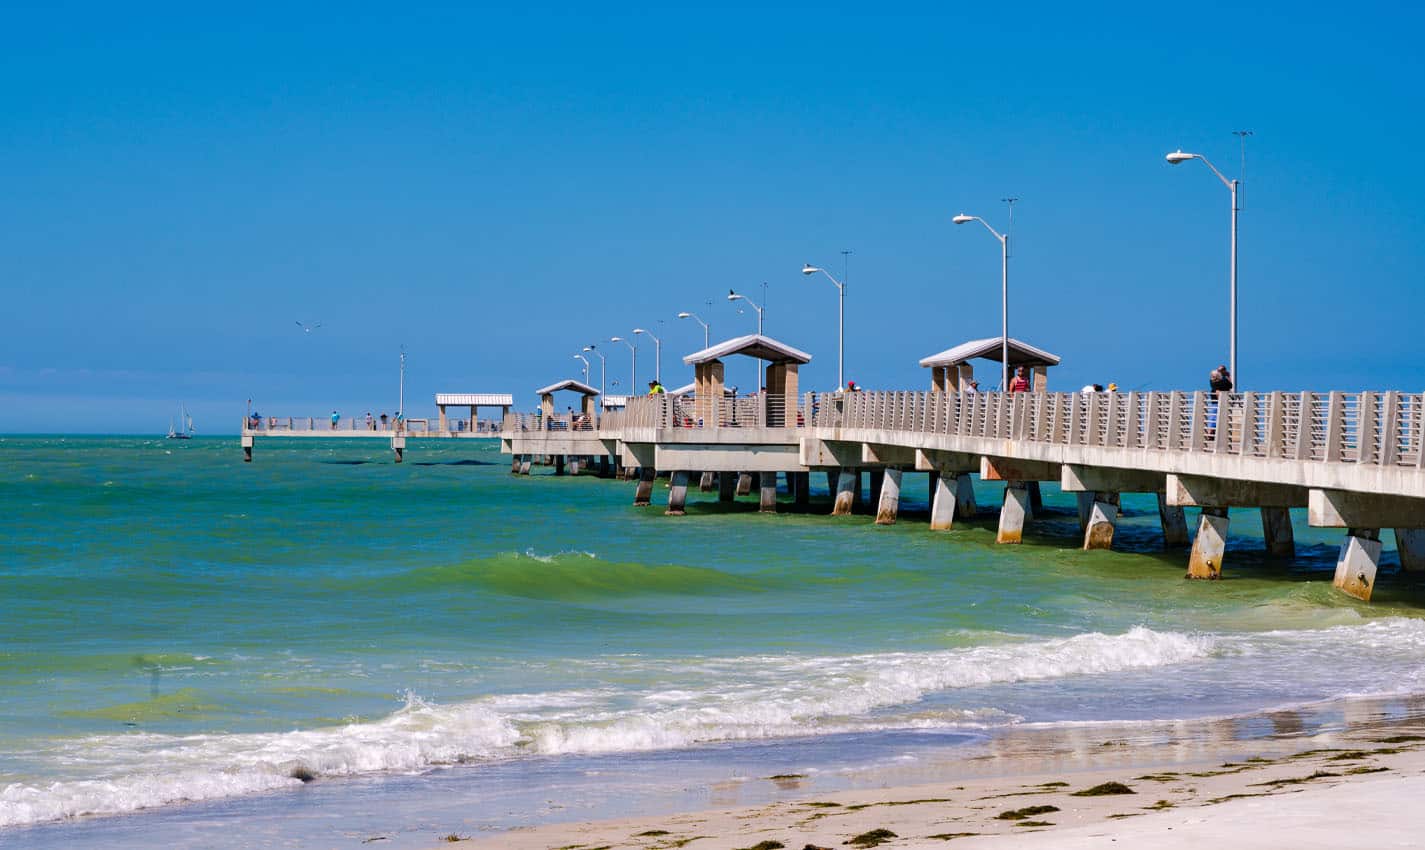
(1152, 786)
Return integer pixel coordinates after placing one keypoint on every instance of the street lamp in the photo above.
(809, 269)
(1004, 292)
(733, 296)
(603, 367)
(657, 354)
(1175, 158)
(586, 366)
(633, 377)
(694, 317)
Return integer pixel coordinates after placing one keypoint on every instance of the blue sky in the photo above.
(495, 189)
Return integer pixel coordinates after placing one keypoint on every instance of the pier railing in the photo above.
(554, 422)
(277, 425)
(1385, 428)
(663, 411)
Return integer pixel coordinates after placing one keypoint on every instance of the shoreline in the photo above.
(1355, 761)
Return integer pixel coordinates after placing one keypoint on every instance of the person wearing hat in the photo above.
(655, 388)
(1112, 387)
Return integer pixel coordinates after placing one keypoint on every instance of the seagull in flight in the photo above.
(309, 328)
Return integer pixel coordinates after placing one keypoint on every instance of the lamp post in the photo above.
(733, 296)
(401, 398)
(809, 269)
(586, 366)
(1176, 158)
(657, 354)
(1004, 293)
(633, 376)
(603, 367)
(694, 316)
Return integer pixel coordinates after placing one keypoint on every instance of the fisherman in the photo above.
(655, 388)
(336, 417)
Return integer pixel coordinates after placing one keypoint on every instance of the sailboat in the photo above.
(185, 431)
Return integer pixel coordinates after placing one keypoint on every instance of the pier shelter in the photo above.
(951, 371)
(587, 394)
(779, 397)
(474, 401)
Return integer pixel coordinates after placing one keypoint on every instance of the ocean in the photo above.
(194, 646)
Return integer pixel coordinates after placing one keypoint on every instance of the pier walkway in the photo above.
(1354, 461)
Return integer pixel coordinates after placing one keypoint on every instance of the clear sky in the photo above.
(496, 188)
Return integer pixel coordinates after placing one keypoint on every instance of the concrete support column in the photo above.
(525, 462)
(767, 493)
(1276, 529)
(604, 466)
(857, 497)
(932, 481)
(942, 503)
(1085, 499)
(965, 507)
(247, 449)
(559, 464)
(705, 482)
(398, 445)
(1013, 513)
(744, 483)
(1356, 564)
(1209, 545)
(1036, 499)
(890, 499)
(877, 476)
(1103, 517)
(644, 494)
(801, 488)
(1174, 523)
(677, 493)
(1410, 544)
(726, 486)
(846, 483)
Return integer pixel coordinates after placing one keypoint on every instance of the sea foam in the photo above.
(734, 699)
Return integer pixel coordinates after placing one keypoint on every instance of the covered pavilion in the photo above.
(951, 371)
(780, 377)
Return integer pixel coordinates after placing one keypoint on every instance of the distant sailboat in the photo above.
(185, 431)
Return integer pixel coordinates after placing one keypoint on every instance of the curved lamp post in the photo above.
(1004, 293)
(694, 316)
(1177, 158)
(586, 366)
(603, 367)
(809, 269)
(733, 296)
(633, 376)
(657, 354)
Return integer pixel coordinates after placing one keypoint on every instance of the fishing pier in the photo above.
(1352, 461)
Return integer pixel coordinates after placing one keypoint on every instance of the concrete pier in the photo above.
(744, 483)
(1103, 518)
(1357, 561)
(705, 482)
(889, 504)
(1276, 530)
(677, 493)
(942, 502)
(726, 486)
(643, 496)
(526, 461)
(878, 477)
(965, 506)
(846, 484)
(1014, 513)
(767, 493)
(1173, 522)
(1410, 545)
(1209, 546)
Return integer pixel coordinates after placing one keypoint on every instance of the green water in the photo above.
(168, 607)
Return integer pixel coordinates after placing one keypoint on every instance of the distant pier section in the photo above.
(390, 427)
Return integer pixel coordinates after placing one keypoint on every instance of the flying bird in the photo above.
(309, 328)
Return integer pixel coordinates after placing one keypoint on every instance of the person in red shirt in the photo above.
(1020, 382)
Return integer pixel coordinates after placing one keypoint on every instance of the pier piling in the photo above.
(1013, 513)
(1357, 562)
(677, 493)
(1209, 545)
(846, 482)
(1276, 530)
(889, 504)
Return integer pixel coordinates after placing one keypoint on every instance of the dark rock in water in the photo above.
(303, 773)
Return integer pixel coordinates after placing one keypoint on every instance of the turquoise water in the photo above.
(177, 625)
